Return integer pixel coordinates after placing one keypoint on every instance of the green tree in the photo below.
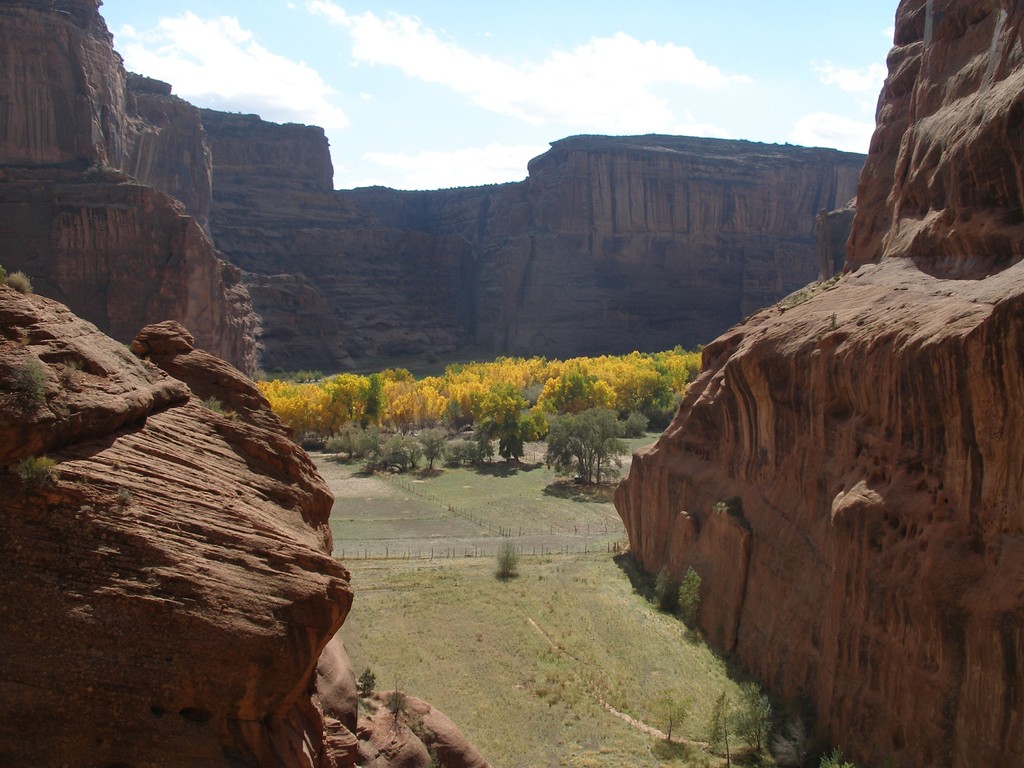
(367, 682)
(689, 596)
(433, 442)
(672, 710)
(588, 444)
(753, 718)
(374, 400)
(719, 726)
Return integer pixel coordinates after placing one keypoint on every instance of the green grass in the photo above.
(524, 665)
(527, 667)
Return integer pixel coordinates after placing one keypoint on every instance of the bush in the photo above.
(835, 760)
(29, 383)
(792, 747)
(635, 424)
(508, 561)
(665, 593)
(37, 471)
(688, 597)
(20, 282)
(3, 276)
(459, 452)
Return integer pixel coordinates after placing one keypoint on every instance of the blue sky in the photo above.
(418, 95)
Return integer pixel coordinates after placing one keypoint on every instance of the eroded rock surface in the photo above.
(873, 560)
(119, 250)
(167, 591)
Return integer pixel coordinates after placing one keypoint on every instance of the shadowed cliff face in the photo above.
(117, 250)
(876, 565)
(611, 244)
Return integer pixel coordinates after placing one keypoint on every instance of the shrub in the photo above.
(688, 597)
(835, 760)
(635, 424)
(508, 561)
(665, 593)
(396, 704)
(213, 404)
(37, 471)
(459, 452)
(3, 276)
(20, 282)
(29, 383)
(367, 682)
(792, 747)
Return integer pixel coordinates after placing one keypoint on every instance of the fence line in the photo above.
(448, 553)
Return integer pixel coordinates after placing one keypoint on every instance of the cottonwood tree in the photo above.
(719, 726)
(753, 716)
(588, 444)
(433, 442)
(672, 710)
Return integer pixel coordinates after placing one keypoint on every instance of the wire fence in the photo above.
(449, 553)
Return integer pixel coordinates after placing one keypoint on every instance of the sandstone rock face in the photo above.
(875, 564)
(120, 253)
(420, 734)
(833, 232)
(589, 255)
(166, 597)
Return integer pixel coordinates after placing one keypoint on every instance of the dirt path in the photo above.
(638, 724)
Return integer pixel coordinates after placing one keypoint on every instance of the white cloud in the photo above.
(867, 80)
(610, 84)
(474, 166)
(820, 129)
(216, 63)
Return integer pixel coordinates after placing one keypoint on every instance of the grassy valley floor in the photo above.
(546, 669)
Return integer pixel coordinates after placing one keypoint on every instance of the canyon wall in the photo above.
(871, 555)
(590, 254)
(154, 614)
(121, 251)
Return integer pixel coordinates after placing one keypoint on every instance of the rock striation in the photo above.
(167, 589)
(589, 255)
(120, 250)
(844, 474)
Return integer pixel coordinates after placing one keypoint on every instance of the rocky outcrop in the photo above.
(589, 255)
(419, 737)
(871, 556)
(119, 252)
(166, 588)
(833, 232)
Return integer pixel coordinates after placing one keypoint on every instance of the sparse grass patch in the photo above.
(28, 382)
(37, 471)
(20, 282)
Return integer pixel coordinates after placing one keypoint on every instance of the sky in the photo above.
(450, 93)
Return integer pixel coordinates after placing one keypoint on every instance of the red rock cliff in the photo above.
(119, 253)
(873, 561)
(589, 255)
(167, 591)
